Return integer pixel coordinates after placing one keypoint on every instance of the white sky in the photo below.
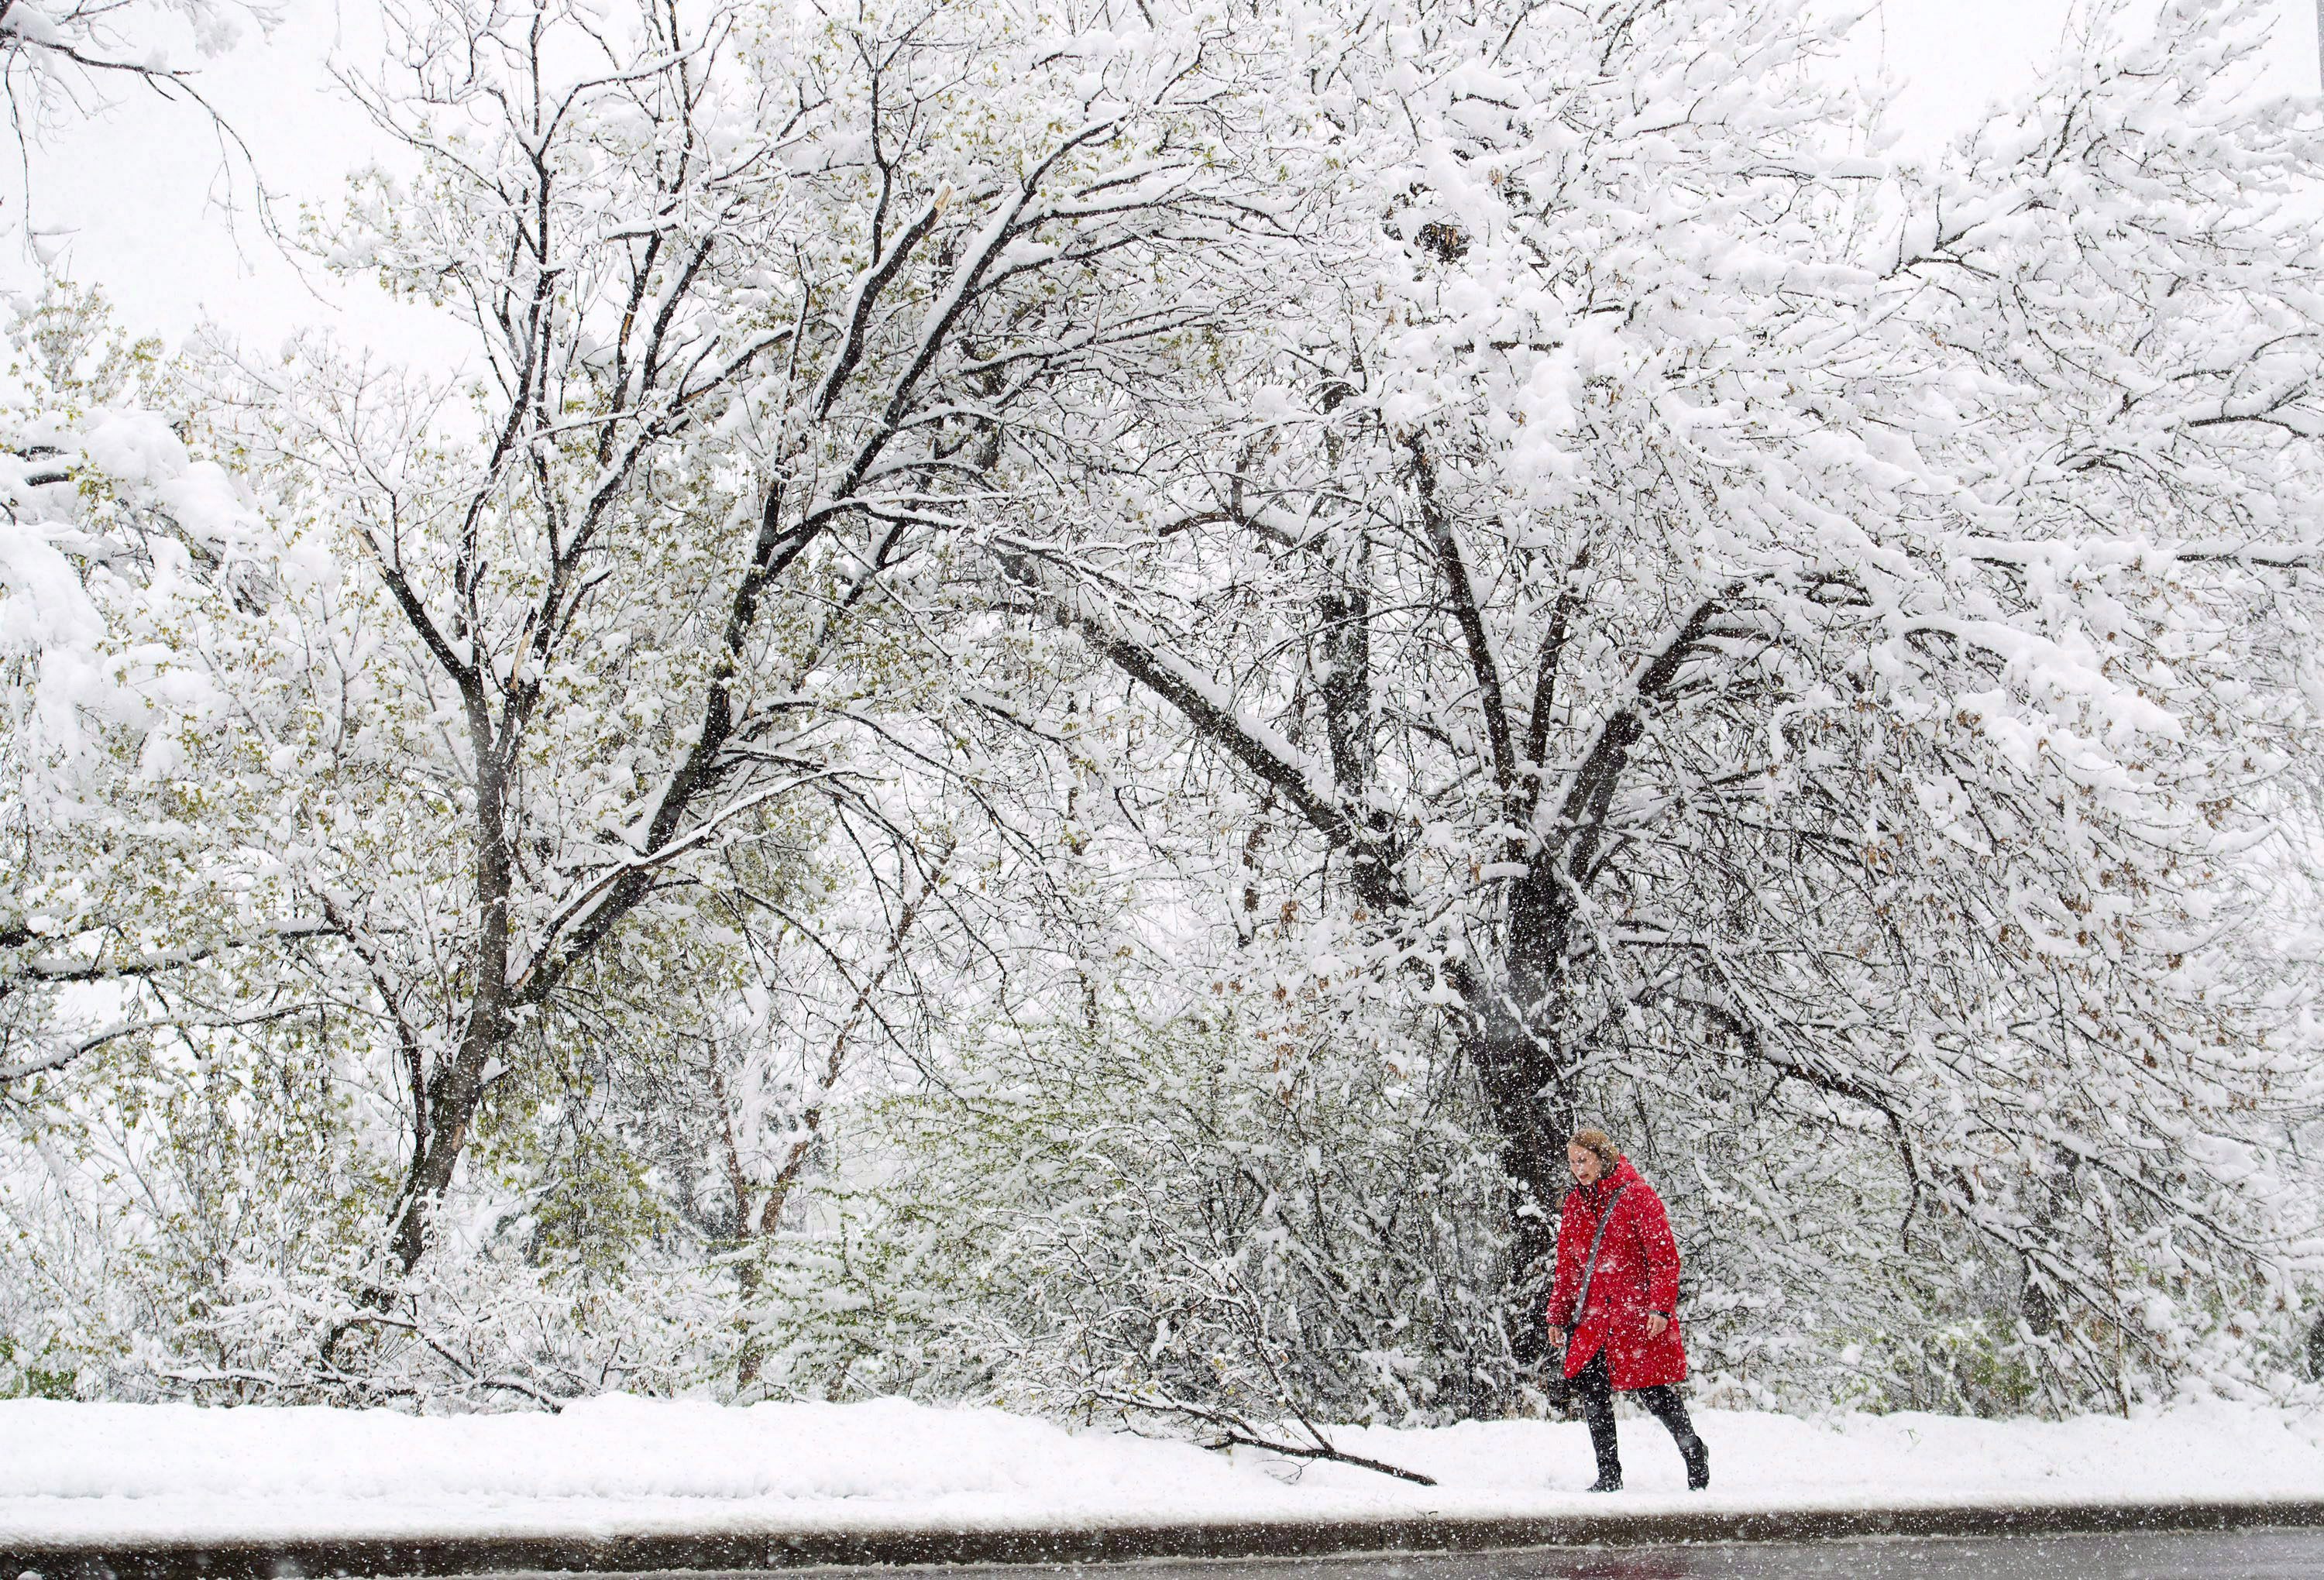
(130, 196)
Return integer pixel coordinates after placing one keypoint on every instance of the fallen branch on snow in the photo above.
(1239, 1433)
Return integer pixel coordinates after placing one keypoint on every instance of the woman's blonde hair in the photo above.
(1599, 1141)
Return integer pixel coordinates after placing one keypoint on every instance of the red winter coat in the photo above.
(1638, 1274)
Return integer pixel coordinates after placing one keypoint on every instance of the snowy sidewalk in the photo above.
(810, 1481)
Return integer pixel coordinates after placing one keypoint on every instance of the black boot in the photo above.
(1697, 1454)
(1610, 1458)
(1667, 1408)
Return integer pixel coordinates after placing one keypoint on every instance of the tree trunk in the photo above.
(751, 1359)
(1533, 1111)
(452, 1102)
(442, 1112)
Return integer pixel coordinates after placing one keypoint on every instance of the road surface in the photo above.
(2168, 1555)
(2243, 1542)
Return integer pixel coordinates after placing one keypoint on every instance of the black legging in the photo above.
(1598, 1408)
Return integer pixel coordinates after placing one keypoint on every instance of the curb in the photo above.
(785, 1549)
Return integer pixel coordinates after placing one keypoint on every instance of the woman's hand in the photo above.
(1656, 1324)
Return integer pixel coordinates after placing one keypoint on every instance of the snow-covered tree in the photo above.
(1786, 644)
(752, 296)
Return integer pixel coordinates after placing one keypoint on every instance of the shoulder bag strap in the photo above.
(1589, 1269)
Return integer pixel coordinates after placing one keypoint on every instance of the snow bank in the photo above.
(121, 1473)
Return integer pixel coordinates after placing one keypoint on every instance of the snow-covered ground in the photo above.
(123, 1472)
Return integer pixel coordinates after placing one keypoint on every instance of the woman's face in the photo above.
(1584, 1163)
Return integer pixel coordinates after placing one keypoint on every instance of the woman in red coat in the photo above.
(1615, 1304)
